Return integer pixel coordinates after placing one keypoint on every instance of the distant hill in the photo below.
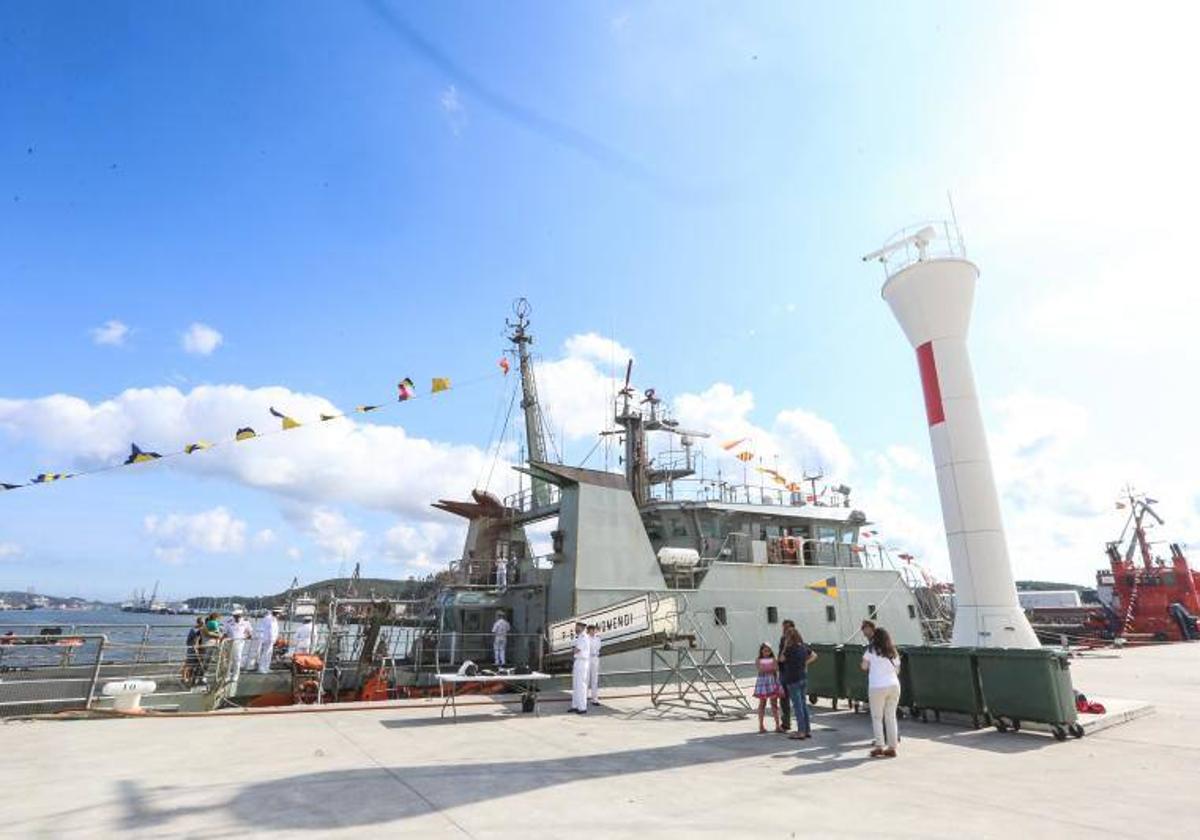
(21, 600)
(363, 588)
(1087, 594)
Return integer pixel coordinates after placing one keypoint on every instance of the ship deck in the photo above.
(623, 771)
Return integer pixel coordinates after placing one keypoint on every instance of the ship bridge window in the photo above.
(830, 613)
(678, 529)
(772, 615)
(848, 535)
(871, 612)
(912, 611)
(719, 616)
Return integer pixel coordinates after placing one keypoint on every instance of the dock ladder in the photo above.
(687, 673)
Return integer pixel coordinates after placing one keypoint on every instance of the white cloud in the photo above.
(215, 531)
(342, 461)
(454, 110)
(294, 553)
(10, 550)
(201, 340)
(110, 333)
(264, 538)
(420, 548)
(597, 348)
(333, 533)
(800, 439)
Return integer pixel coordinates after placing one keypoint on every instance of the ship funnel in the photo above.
(930, 288)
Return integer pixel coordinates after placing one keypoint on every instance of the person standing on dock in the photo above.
(500, 630)
(795, 657)
(594, 664)
(785, 706)
(881, 661)
(582, 651)
(239, 632)
(266, 634)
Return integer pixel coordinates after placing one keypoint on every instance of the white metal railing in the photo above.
(947, 242)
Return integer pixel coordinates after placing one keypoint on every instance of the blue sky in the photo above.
(351, 193)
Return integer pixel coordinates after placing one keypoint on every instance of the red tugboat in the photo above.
(1155, 599)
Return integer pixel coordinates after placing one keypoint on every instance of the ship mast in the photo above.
(535, 425)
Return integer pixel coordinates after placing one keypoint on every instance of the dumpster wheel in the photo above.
(1076, 730)
(1060, 734)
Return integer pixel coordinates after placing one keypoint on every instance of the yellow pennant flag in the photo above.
(745, 456)
(196, 447)
(439, 384)
(730, 444)
(288, 422)
(825, 587)
(244, 433)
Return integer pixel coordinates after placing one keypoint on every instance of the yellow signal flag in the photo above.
(440, 383)
(245, 433)
(196, 447)
(44, 478)
(825, 587)
(325, 417)
(745, 456)
(288, 422)
(139, 456)
(730, 444)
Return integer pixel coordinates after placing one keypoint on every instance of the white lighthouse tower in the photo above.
(930, 287)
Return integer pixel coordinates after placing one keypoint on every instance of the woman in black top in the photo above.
(794, 661)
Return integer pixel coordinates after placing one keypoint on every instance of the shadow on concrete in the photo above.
(368, 796)
(448, 720)
(846, 726)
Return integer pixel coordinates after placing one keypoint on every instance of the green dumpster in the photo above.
(1028, 685)
(854, 679)
(824, 675)
(943, 679)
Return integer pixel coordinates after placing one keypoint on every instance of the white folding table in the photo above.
(527, 682)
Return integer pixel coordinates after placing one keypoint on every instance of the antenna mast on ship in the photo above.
(535, 424)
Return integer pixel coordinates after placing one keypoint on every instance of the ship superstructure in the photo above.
(741, 558)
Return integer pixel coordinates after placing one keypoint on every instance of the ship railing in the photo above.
(947, 242)
(525, 501)
(446, 650)
(709, 490)
(130, 642)
(482, 573)
(27, 690)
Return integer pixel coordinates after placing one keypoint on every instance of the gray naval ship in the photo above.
(658, 548)
(658, 557)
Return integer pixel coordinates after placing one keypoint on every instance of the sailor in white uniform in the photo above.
(582, 649)
(500, 639)
(239, 632)
(594, 664)
(502, 573)
(266, 633)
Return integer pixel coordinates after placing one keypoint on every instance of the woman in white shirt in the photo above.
(881, 661)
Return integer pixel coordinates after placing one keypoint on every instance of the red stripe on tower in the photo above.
(929, 384)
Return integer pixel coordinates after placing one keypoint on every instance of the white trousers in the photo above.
(594, 678)
(499, 650)
(883, 715)
(579, 684)
(265, 648)
(237, 648)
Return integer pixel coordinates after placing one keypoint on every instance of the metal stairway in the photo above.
(687, 673)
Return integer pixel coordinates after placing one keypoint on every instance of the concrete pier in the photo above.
(621, 771)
